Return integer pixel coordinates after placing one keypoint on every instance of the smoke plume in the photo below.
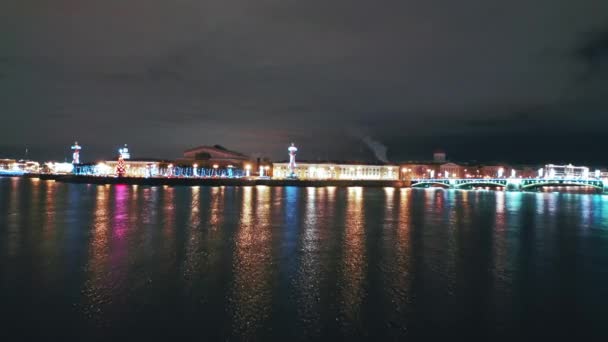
(377, 147)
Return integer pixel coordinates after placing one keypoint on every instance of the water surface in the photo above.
(263, 263)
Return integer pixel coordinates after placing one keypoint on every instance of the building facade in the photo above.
(336, 171)
(210, 156)
(451, 170)
(566, 171)
(133, 168)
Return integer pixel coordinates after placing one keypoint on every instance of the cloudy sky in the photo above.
(484, 80)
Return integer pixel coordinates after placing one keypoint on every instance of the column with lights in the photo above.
(121, 167)
(76, 154)
(292, 160)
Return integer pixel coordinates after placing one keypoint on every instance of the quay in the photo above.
(516, 184)
(197, 181)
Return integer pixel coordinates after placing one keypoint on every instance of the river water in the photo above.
(93, 262)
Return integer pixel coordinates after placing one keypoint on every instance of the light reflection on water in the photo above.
(251, 294)
(309, 277)
(305, 263)
(354, 265)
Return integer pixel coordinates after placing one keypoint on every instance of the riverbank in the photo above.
(216, 181)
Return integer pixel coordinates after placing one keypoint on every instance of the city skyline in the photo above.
(278, 170)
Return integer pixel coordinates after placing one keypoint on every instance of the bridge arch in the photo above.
(430, 184)
(472, 184)
(589, 184)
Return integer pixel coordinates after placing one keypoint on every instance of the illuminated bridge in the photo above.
(509, 183)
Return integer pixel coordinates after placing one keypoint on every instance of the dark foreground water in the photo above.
(258, 263)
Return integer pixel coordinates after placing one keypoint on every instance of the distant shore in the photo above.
(176, 181)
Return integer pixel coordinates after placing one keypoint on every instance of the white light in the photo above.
(124, 152)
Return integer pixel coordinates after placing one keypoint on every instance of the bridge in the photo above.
(515, 184)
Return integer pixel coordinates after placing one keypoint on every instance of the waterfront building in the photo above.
(335, 171)
(494, 171)
(19, 166)
(415, 170)
(450, 170)
(439, 167)
(58, 168)
(215, 156)
(133, 168)
(7, 164)
(565, 171)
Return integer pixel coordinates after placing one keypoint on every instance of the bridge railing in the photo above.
(513, 183)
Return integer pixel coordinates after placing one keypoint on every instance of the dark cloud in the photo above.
(593, 51)
(254, 76)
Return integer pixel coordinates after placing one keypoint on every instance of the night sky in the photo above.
(521, 81)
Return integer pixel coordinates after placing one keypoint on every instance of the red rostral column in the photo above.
(121, 167)
(76, 155)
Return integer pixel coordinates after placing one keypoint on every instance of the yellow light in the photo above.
(247, 167)
(215, 166)
(195, 166)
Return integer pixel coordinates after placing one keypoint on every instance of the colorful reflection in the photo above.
(252, 292)
(354, 263)
(308, 280)
(95, 292)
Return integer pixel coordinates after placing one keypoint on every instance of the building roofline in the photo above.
(216, 148)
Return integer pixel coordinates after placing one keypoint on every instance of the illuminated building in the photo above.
(414, 170)
(7, 164)
(133, 168)
(493, 171)
(59, 168)
(76, 154)
(565, 171)
(207, 156)
(453, 170)
(336, 171)
(14, 167)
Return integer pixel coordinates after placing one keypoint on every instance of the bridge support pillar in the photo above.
(514, 184)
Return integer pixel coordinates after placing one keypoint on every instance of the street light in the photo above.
(247, 170)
